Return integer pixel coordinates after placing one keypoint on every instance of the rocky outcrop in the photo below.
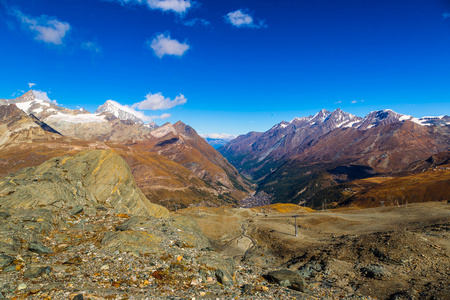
(17, 126)
(90, 178)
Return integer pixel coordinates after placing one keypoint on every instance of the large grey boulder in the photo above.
(287, 278)
(90, 178)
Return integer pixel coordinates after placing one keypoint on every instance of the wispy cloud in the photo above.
(356, 101)
(221, 136)
(164, 45)
(240, 18)
(176, 6)
(30, 85)
(446, 15)
(93, 47)
(161, 117)
(196, 21)
(47, 29)
(41, 95)
(159, 102)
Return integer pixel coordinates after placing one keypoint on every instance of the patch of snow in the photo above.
(76, 119)
(25, 106)
(280, 125)
(405, 117)
(351, 124)
(340, 124)
(300, 119)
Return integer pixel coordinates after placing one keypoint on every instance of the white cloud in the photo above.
(48, 30)
(164, 45)
(158, 102)
(239, 18)
(221, 136)
(354, 101)
(177, 6)
(30, 85)
(91, 46)
(446, 15)
(41, 95)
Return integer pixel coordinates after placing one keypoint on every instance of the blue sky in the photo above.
(230, 66)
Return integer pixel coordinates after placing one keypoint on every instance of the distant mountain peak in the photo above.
(116, 109)
(319, 117)
(381, 117)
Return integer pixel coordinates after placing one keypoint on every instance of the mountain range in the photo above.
(333, 157)
(171, 164)
(294, 161)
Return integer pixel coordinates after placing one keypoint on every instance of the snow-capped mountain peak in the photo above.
(320, 117)
(120, 111)
(339, 118)
(381, 117)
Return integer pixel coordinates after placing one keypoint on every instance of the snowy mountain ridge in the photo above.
(120, 111)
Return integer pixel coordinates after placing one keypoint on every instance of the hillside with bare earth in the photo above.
(423, 181)
(175, 174)
(396, 252)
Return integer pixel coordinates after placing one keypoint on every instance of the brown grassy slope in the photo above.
(431, 185)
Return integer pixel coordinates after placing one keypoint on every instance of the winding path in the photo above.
(241, 246)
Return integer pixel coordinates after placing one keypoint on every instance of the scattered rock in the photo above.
(22, 287)
(34, 272)
(76, 210)
(78, 297)
(5, 260)
(287, 278)
(376, 272)
(403, 295)
(4, 215)
(223, 277)
(76, 260)
(39, 248)
(311, 268)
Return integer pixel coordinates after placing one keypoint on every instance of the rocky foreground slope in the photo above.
(77, 227)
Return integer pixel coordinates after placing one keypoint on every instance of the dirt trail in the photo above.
(239, 247)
